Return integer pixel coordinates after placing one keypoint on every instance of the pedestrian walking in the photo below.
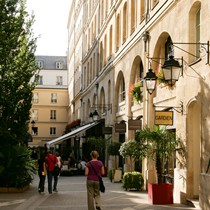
(51, 162)
(41, 172)
(57, 170)
(93, 192)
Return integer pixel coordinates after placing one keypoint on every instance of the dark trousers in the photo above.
(41, 182)
(49, 179)
(55, 176)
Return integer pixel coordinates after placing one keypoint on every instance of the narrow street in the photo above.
(72, 196)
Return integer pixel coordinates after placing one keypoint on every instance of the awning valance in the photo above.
(72, 133)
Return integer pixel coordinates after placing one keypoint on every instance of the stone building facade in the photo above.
(113, 43)
(49, 112)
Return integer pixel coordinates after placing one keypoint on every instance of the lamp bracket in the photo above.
(179, 109)
(203, 47)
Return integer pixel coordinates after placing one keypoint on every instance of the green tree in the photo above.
(99, 144)
(136, 149)
(18, 76)
(17, 71)
(113, 149)
(163, 144)
(127, 150)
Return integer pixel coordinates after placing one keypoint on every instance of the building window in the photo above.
(198, 33)
(34, 131)
(53, 114)
(52, 131)
(40, 82)
(34, 114)
(142, 10)
(40, 64)
(35, 98)
(59, 65)
(59, 80)
(53, 97)
(122, 90)
(168, 50)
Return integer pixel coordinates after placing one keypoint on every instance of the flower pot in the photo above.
(160, 193)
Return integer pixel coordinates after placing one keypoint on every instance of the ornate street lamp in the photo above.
(150, 80)
(171, 70)
(93, 116)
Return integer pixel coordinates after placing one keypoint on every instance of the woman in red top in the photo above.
(51, 161)
(93, 192)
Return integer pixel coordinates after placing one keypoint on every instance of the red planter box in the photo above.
(160, 193)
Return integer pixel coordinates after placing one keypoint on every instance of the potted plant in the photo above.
(16, 168)
(136, 91)
(133, 180)
(162, 146)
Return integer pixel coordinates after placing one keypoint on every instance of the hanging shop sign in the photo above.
(120, 127)
(163, 117)
(134, 124)
(107, 130)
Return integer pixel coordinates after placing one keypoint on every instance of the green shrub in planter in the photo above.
(133, 180)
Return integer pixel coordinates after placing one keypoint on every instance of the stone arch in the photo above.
(193, 143)
(135, 75)
(160, 54)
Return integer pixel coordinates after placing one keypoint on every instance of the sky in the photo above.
(50, 25)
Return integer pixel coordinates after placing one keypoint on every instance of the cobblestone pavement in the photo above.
(72, 196)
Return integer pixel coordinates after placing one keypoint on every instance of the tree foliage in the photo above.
(133, 149)
(162, 147)
(18, 76)
(16, 166)
(113, 148)
(17, 71)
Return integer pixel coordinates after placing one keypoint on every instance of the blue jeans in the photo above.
(49, 179)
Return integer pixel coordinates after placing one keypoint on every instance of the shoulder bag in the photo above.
(101, 183)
